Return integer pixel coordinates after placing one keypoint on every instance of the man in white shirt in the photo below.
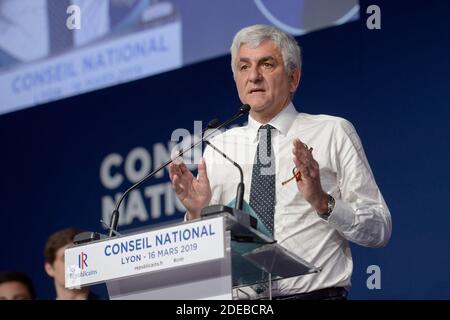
(333, 197)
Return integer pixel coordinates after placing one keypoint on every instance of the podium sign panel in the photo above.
(151, 251)
(188, 260)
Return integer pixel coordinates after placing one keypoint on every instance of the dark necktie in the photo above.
(262, 191)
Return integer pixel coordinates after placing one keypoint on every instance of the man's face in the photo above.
(262, 80)
(56, 269)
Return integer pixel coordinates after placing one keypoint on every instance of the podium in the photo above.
(220, 256)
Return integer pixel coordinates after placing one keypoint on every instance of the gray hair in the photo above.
(256, 34)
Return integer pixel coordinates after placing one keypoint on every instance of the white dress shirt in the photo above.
(360, 214)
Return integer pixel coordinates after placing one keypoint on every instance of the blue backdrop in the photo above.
(392, 84)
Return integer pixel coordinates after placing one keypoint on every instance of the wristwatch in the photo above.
(331, 203)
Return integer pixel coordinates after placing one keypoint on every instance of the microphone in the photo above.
(241, 186)
(214, 123)
(240, 230)
(243, 110)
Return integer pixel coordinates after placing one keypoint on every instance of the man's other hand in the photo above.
(194, 193)
(309, 181)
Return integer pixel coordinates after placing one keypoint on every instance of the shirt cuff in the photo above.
(342, 216)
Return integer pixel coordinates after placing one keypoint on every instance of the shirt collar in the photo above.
(282, 122)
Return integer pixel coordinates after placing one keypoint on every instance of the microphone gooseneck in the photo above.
(243, 110)
(241, 186)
